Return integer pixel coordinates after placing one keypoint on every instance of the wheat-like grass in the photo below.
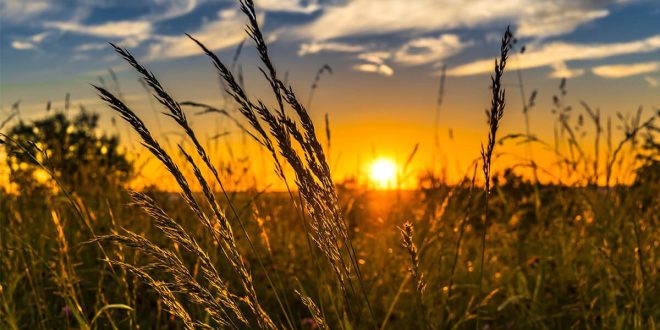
(219, 227)
(494, 116)
(314, 310)
(311, 169)
(177, 233)
(172, 304)
(315, 84)
(312, 173)
(182, 280)
(407, 240)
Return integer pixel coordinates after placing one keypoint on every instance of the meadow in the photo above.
(498, 250)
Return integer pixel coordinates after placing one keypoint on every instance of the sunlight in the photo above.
(383, 173)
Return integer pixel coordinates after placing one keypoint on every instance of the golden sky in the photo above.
(386, 58)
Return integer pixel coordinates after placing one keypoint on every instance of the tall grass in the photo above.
(328, 228)
(494, 116)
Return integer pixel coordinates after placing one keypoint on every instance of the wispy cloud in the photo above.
(377, 57)
(165, 10)
(413, 52)
(116, 29)
(17, 11)
(291, 6)
(39, 37)
(317, 47)
(382, 69)
(375, 63)
(225, 31)
(31, 42)
(556, 18)
(625, 70)
(22, 45)
(536, 18)
(562, 52)
(561, 70)
(92, 46)
(427, 50)
(126, 32)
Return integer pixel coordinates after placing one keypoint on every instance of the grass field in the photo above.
(78, 250)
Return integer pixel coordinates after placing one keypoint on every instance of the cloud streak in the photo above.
(428, 50)
(556, 18)
(115, 29)
(317, 47)
(16, 11)
(375, 63)
(226, 31)
(290, 6)
(561, 70)
(536, 18)
(561, 52)
(22, 45)
(625, 70)
(31, 42)
(173, 9)
(382, 69)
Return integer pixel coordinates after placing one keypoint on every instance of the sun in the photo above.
(383, 173)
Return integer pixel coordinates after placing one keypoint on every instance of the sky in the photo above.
(387, 57)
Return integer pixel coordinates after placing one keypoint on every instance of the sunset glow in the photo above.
(382, 173)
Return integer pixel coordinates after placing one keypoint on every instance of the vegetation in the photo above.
(70, 148)
(516, 253)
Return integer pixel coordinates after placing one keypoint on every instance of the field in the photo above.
(79, 250)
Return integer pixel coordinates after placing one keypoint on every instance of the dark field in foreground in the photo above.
(584, 258)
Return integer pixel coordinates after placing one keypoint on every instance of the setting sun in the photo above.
(383, 173)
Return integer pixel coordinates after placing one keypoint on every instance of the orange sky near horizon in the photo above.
(358, 138)
(386, 58)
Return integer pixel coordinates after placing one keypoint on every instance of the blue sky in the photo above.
(386, 55)
(43, 39)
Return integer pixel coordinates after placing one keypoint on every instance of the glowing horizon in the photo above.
(380, 92)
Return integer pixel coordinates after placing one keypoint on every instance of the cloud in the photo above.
(317, 47)
(414, 52)
(560, 70)
(39, 37)
(115, 29)
(535, 17)
(652, 81)
(125, 33)
(383, 69)
(375, 57)
(22, 45)
(561, 52)
(173, 9)
(625, 70)
(92, 46)
(375, 63)
(556, 18)
(17, 11)
(227, 30)
(31, 42)
(427, 50)
(291, 6)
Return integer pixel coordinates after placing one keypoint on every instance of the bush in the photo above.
(71, 149)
